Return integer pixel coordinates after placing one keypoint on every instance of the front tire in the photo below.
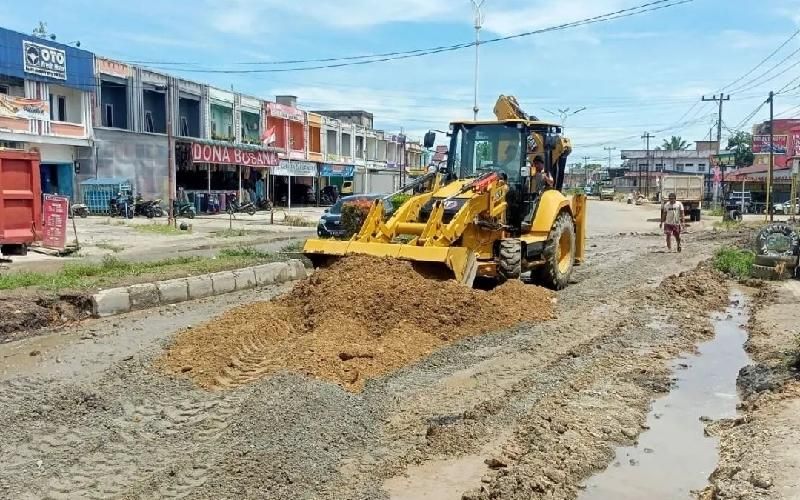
(559, 253)
(509, 262)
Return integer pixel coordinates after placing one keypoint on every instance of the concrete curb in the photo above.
(130, 298)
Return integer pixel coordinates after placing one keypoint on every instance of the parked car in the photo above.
(330, 223)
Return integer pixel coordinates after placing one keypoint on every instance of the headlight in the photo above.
(321, 222)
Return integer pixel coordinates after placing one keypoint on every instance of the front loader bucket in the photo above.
(457, 263)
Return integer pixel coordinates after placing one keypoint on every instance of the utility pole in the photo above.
(476, 8)
(721, 99)
(647, 136)
(609, 149)
(586, 169)
(170, 151)
(771, 102)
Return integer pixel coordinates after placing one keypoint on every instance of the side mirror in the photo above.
(430, 139)
(326, 210)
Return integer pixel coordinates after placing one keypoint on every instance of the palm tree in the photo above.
(675, 143)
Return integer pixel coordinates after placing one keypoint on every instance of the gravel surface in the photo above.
(541, 406)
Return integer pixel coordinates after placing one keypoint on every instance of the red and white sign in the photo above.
(269, 136)
(56, 213)
(229, 155)
(779, 144)
(285, 112)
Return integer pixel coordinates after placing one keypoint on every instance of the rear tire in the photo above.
(251, 211)
(509, 261)
(559, 254)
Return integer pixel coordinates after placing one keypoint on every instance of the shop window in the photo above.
(701, 169)
(109, 116)
(148, 122)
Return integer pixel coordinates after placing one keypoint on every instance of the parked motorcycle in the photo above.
(183, 209)
(78, 210)
(121, 206)
(328, 195)
(143, 207)
(264, 204)
(235, 207)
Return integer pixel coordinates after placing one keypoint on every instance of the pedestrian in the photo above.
(672, 220)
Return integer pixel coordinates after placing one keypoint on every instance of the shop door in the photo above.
(65, 177)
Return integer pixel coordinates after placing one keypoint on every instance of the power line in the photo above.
(761, 63)
(362, 60)
(427, 49)
(755, 81)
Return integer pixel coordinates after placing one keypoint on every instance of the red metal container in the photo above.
(20, 201)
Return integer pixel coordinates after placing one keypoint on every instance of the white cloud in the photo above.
(514, 17)
(242, 16)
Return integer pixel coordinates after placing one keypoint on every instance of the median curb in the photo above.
(130, 298)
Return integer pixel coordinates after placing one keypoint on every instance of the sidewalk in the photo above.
(142, 239)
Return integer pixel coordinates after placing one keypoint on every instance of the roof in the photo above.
(105, 181)
(514, 120)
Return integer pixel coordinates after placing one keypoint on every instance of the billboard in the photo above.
(780, 144)
(44, 60)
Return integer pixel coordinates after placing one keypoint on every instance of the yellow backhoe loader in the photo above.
(489, 213)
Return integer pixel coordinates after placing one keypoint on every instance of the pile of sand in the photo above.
(360, 318)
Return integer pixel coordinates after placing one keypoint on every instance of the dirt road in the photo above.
(524, 413)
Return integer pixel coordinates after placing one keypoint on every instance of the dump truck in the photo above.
(688, 189)
(20, 201)
(489, 213)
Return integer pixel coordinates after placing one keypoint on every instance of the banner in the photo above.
(285, 112)
(20, 107)
(795, 143)
(779, 142)
(230, 155)
(56, 212)
(296, 168)
(328, 170)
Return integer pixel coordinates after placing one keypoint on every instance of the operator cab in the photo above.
(507, 148)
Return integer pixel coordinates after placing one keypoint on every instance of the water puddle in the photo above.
(443, 479)
(674, 457)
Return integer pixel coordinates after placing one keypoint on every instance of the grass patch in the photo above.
(715, 212)
(727, 225)
(232, 233)
(110, 246)
(297, 221)
(244, 251)
(112, 271)
(165, 229)
(293, 247)
(734, 262)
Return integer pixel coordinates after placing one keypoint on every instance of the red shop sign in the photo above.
(56, 212)
(230, 155)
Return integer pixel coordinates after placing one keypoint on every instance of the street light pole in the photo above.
(609, 149)
(476, 8)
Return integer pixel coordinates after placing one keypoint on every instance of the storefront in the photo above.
(337, 175)
(381, 179)
(293, 182)
(209, 173)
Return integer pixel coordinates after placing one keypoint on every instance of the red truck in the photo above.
(20, 201)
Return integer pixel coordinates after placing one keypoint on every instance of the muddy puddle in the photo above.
(444, 479)
(674, 457)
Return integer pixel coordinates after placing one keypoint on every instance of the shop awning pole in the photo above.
(240, 184)
(289, 190)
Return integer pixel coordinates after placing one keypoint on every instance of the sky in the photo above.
(641, 73)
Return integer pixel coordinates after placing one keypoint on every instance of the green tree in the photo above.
(484, 152)
(741, 143)
(675, 143)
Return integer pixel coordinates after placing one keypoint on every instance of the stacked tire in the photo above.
(777, 247)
